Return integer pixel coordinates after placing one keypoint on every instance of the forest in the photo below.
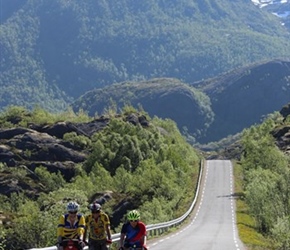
(266, 181)
(122, 154)
(54, 51)
(153, 168)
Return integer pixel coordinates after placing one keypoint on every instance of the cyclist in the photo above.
(133, 232)
(98, 227)
(71, 226)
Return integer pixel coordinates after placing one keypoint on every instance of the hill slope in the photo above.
(162, 97)
(211, 109)
(54, 51)
(126, 161)
(244, 97)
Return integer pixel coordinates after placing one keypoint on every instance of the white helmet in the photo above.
(95, 206)
(72, 206)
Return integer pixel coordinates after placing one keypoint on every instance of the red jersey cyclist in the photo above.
(133, 232)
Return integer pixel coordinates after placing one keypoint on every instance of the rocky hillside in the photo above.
(45, 162)
(44, 145)
(162, 97)
(282, 132)
(211, 109)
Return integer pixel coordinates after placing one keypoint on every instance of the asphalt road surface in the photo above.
(213, 226)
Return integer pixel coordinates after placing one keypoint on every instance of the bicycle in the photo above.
(71, 244)
(99, 245)
(135, 248)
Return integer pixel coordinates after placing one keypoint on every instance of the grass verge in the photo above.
(245, 223)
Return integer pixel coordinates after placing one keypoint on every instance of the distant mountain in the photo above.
(162, 97)
(52, 52)
(8, 8)
(279, 8)
(211, 109)
(245, 96)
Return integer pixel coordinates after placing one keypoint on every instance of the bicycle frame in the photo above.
(70, 244)
(134, 248)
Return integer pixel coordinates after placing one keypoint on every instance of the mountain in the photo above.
(9, 7)
(52, 52)
(245, 96)
(162, 97)
(209, 110)
(279, 8)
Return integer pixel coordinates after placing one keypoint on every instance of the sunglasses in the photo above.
(133, 220)
(95, 212)
(72, 212)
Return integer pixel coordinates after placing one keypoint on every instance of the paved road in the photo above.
(213, 227)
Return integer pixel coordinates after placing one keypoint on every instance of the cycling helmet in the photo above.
(133, 215)
(95, 207)
(72, 206)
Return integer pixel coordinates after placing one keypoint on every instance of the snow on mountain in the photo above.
(263, 3)
(279, 8)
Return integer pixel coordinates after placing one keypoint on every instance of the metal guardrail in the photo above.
(159, 228)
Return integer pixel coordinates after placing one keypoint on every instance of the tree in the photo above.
(281, 233)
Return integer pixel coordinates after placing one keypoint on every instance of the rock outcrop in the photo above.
(25, 149)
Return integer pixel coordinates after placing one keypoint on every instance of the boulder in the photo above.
(43, 145)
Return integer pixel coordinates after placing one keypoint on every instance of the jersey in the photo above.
(133, 235)
(71, 231)
(97, 227)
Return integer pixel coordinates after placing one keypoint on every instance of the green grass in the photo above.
(245, 222)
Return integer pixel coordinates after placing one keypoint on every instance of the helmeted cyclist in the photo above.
(98, 228)
(133, 232)
(71, 226)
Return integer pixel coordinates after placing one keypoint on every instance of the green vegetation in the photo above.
(2, 238)
(266, 183)
(122, 154)
(61, 49)
(20, 116)
(163, 97)
(246, 224)
(153, 167)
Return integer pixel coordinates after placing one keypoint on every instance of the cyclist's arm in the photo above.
(122, 238)
(143, 240)
(86, 234)
(107, 226)
(108, 229)
(60, 226)
(143, 234)
(81, 228)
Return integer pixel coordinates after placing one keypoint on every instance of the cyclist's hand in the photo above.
(59, 241)
(82, 243)
(109, 241)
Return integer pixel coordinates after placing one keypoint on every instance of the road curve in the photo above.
(213, 226)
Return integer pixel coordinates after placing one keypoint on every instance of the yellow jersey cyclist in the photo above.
(98, 228)
(71, 226)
